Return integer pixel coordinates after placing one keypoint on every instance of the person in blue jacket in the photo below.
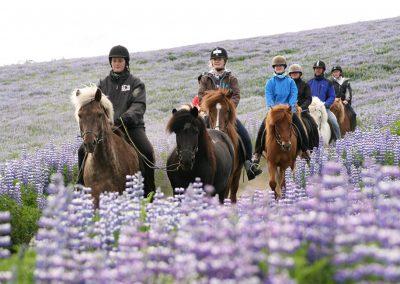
(280, 89)
(325, 91)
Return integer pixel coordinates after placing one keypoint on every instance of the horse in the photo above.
(199, 152)
(281, 146)
(342, 115)
(109, 157)
(221, 112)
(318, 113)
(310, 128)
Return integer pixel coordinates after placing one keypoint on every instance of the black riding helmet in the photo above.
(219, 52)
(119, 51)
(337, 67)
(319, 64)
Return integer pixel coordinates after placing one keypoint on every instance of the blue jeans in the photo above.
(241, 130)
(332, 119)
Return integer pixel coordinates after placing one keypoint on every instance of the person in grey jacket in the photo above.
(128, 96)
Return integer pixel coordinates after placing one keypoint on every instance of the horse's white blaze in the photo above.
(218, 106)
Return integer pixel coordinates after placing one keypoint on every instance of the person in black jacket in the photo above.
(128, 96)
(344, 91)
(304, 99)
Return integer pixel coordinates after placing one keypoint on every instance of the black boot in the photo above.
(252, 169)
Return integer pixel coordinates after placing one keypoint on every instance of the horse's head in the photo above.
(338, 109)
(279, 119)
(188, 126)
(220, 108)
(94, 113)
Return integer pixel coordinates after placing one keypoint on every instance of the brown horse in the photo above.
(109, 157)
(280, 147)
(342, 116)
(221, 111)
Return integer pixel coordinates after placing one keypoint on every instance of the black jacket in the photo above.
(304, 97)
(128, 96)
(343, 90)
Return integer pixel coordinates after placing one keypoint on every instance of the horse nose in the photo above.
(287, 146)
(89, 146)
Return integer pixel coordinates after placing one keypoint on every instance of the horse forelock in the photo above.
(181, 119)
(83, 96)
(277, 114)
(212, 97)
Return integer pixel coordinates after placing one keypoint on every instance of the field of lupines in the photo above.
(336, 222)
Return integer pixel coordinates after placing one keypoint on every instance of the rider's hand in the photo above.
(345, 102)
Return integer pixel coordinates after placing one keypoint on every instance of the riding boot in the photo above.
(252, 169)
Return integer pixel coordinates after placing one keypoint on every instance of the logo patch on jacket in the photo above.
(125, 88)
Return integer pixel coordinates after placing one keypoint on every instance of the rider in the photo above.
(220, 77)
(324, 90)
(280, 89)
(343, 90)
(304, 99)
(128, 96)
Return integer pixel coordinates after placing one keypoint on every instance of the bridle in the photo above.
(278, 137)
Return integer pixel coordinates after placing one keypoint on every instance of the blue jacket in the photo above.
(281, 89)
(323, 89)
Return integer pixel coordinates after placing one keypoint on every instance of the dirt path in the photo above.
(260, 182)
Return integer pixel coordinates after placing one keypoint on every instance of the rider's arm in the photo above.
(202, 87)
(234, 86)
(293, 95)
(137, 101)
(330, 96)
(269, 95)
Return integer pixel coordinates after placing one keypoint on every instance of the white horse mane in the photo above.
(83, 96)
(323, 125)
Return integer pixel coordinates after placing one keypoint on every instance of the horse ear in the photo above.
(77, 93)
(97, 96)
(174, 111)
(194, 111)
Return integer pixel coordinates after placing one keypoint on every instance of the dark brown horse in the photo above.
(280, 147)
(199, 152)
(109, 157)
(342, 116)
(221, 111)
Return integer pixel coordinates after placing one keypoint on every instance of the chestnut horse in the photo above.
(221, 111)
(280, 147)
(109, 157)
(342, 116)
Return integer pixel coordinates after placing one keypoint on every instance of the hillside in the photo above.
(35, 103)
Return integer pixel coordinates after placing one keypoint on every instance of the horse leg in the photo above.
(272, 175)
(278, 189)
(235, 183)
(282, 180)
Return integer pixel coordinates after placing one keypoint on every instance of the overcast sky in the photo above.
(45, 30)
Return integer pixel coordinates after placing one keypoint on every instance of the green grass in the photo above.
(22, 264)
(395, 128)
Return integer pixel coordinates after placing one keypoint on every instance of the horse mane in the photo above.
(183, 116)
(338, 108)
(319, 105)
(83, 96)
(276, 114)
(211, 98)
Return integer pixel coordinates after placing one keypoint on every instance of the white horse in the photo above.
(319, 114)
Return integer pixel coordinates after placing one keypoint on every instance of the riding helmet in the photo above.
(219, 52)
(337, 67)
(279, 60)
(295, 68)
(119, 51)
(319, 64)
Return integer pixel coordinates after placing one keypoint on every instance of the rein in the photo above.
(149, 163)
(278, 137)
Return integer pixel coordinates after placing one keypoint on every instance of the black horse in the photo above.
(203, 153)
